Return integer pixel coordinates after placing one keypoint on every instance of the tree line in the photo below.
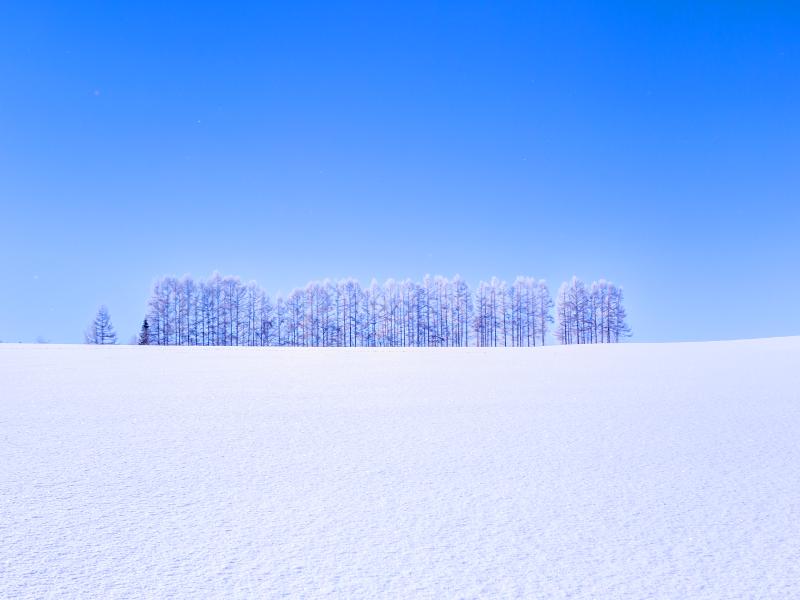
(438, 311)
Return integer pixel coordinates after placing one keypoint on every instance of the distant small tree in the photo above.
(101, 330)
(144, 334)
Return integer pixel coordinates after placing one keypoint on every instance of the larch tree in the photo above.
(101, 330)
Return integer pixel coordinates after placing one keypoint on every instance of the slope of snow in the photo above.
(629, 471)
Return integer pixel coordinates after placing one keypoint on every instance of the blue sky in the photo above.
(654, 144)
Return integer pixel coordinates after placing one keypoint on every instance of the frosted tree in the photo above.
(101, 330)
(462, 300)
(570, 307)
(544, 306)
(563, 315)
(280, 322)
(618, 327)
(266, 321)
(252, 313)
(295, 310)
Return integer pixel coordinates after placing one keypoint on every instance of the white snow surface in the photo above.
(620, 471)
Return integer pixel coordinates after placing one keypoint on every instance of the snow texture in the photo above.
(615, 471)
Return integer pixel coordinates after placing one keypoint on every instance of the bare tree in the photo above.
(101, 330)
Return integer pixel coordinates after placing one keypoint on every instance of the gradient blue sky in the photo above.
(654, 144)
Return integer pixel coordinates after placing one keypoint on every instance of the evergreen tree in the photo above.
(144, 334)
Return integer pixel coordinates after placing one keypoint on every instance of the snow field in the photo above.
(618, 471)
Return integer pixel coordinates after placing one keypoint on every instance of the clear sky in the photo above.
(654, 144)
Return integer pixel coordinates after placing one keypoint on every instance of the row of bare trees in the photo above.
(439, 311)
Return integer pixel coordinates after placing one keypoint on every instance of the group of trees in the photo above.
(224, 311)
(515, 315)
(590, 315)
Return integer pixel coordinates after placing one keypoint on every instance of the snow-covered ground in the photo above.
(628, 471)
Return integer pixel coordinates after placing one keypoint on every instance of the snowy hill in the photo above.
(619, 471)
